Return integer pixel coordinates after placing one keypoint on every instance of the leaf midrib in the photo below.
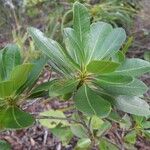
(89, 101)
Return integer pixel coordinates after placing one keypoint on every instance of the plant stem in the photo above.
(59, 118)
(90, 133)
(111, 142)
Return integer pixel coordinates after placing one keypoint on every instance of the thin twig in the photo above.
(58, 118)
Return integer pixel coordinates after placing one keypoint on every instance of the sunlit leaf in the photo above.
(51, 122)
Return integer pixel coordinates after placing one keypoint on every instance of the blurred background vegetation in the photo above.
(50, 15)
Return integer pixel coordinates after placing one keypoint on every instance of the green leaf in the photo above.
(38, 95)
(87, 101)
(73, 45)
(112, 43)
(103, 128)
(126, 122)
(96, 122)
(136, 87)
(127, 45)
(2, 68)
(37, 68)
(147, 56)
(78, 130)
(130, 137)
(61, 87)
(133, 105)
(113, 79)
(114, 116)
(53, 119)
(53, 50)
(11, 58)
(63, 133)
(134, 67)
(118, 57)
(41, 90)
(20, 74)
(6, 89)
(4, 145)
(145, 125)
(14, 118)
(101, 67)
(138, 119)
(99, 32)
(81, 21)
(42, 87)
(83, 144)
(105, 145)
(81, 26)
(105, 41)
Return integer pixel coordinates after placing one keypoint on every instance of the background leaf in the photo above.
(105, 145)
(52, 123)
(11, 58)
(63, 133)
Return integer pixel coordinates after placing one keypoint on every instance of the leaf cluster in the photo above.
(17, 80)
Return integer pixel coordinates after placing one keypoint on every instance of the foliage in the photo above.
(106, 11)
(139, 127)
(16, 82)
(147, 55)
(4, 145)
(95, 73)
